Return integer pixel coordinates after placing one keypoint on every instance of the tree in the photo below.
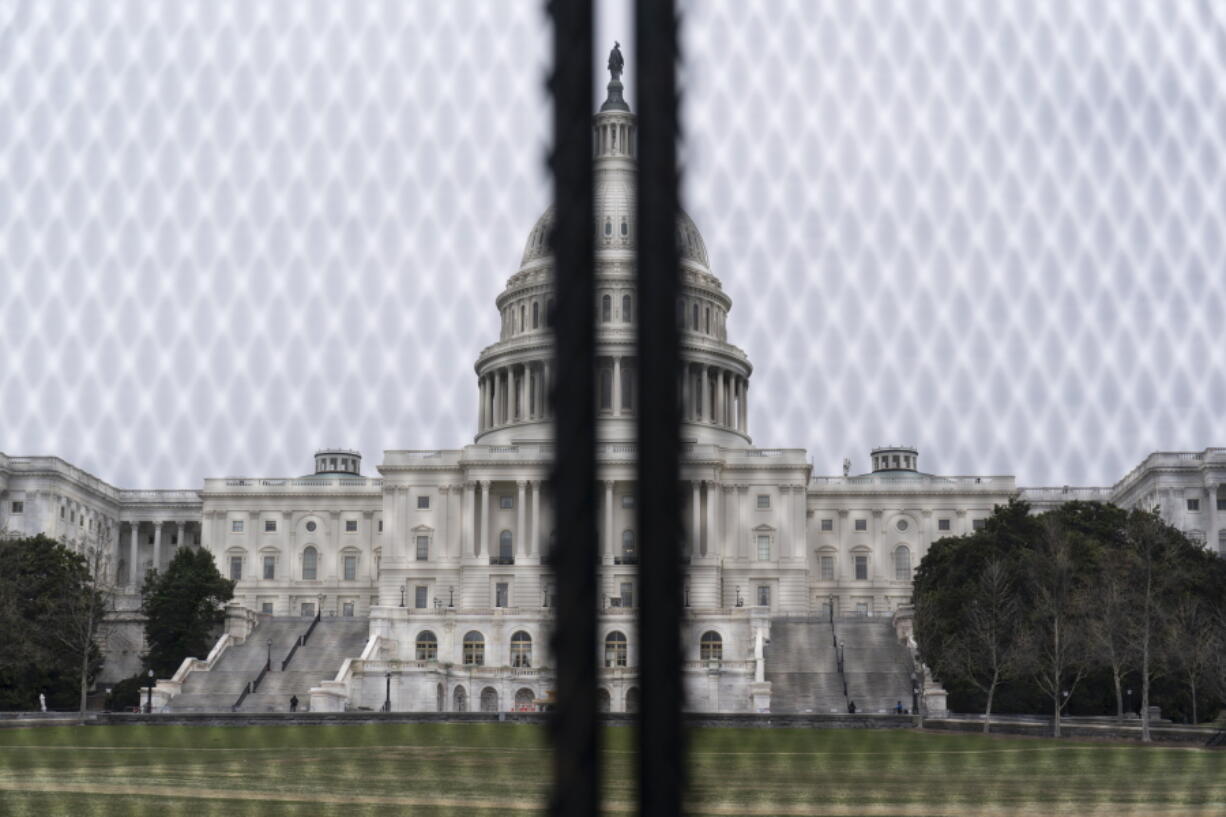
(1151, 545)
(1110, 626)
(40, 587)
(1193, 645)
(1055, 636)
(84, 611)
(183, 608)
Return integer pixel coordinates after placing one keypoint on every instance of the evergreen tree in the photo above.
(183, 609)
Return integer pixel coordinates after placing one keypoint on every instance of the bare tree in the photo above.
(1110, 625)
(986, 651)
(84, 612)
(1056, 637)
(1193, 645)
(1149, 562)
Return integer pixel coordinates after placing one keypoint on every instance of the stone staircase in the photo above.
(217, 689)
(802, 666)
(333, 640)
(877, 666)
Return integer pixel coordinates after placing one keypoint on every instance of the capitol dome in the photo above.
(515, 374)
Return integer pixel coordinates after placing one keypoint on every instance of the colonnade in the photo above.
(714, 395)
(134, 575)
(514, 393)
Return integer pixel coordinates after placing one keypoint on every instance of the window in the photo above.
(764, 547)
(347, 609)
(423, 548)
(266, 608)
(423, 503)
(695, 314)
(710, 646)
(942, 524)
(764, 502)
(307, 609)
(270, 526)
(861, 524)
(62, 509)
(708, 321)
(421, 596)
(628, 501)
(506, 553)
(309, 559)
(501, 593)
(236, 568)
(861, 568)
(902, 525)
(764, 596)
(310, 526)
(629, 554)
(351, 567)
(236, 526)
(827, 524)
(521, 649)
(625, 298)
(902, 563)
(427, 646)
(351, 526)
(615, 649)
(536, 315)
(1193, 504)
(270, 567)
(18, 507)
(827, 568)
(1221, 542)
(523, 317)
(474, 649)
(626, 594)
(606, 308)
(608, 226)
(380, 526)
(506, 502)
(625, 228)
(978, 524)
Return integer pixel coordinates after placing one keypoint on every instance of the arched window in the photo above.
(474, 649)
(615, 649)
(606, 388)
(625, 309)
(632, 699)
(524, 699)
(521, 649)
(489, 700)
(902, 563)
(629, 553)
(461, 700)
(711, 646)
(523, 318)
(695, 313)
(536, 315)
(606, 308)
(506, 550)
(708, 320)
(427, 646)
(608, 226)
(625, 227)
(310, 560)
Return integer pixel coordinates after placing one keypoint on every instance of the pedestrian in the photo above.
(42, 701)
(898, 708)
(851, 707)
(293, 704)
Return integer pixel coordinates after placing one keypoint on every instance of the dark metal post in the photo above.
(574, 725)
(149, 698)
(387, 698)
(661, 741)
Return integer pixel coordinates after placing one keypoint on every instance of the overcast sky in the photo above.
(233, 231)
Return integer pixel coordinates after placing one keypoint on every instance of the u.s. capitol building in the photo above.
(431, 582)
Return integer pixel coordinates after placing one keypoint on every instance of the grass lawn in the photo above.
(460, 769)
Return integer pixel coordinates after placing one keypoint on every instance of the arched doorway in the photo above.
(489, 700)
(632, 699)
(604, 703)
(523, 700)
(460, 698)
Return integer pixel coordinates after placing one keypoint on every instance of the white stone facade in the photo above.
(445, 552)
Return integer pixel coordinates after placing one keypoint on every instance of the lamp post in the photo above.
(915, 690)
(739, 601)
(320, 611)
(149, 698)
(1128, 705)
(268, 664)
(402, 595)
(450, 596)
(387, 698)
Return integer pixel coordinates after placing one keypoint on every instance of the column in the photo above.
(696, 519)
(685, 392)
(481, 404)
(704, 398)
(483, 539)
(617, 387)
(608, 517)
(496, 418)
(442, 547)
(157, 546)
(785, 521)
(182, 535)
(712, 522)
(521, 529)
(545, 392)
(133, 573)
(745, 406)
(512, 395)
(719, 397)
(535, 542)
(466, 520)
(742, 518)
